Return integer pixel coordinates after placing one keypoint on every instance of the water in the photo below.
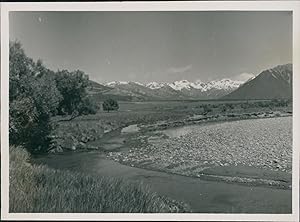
(130, 129)
(202, 196)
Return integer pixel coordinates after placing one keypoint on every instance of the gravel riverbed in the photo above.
(259, 143)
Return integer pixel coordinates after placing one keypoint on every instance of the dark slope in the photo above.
(273, 83)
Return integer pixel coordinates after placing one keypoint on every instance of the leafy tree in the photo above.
(87, 106)
(33, 100)
(110, 104)
(36, 94)
(72, 86)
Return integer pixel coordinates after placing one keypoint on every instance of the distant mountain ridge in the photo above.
(226, 84)
(271, 83)
(182, 89)
(274, 83)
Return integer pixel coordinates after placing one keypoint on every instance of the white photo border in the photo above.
(293, 6)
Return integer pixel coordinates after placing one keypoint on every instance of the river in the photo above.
(202, 196)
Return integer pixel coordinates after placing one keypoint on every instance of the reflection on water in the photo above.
(130, 129)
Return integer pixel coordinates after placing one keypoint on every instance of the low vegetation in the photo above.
(37, 188)
(110, 105)
(76, 134)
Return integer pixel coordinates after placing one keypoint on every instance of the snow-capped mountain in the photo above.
(224, 84)
(179, 85)
(155, 85)
(116, 83)
(181, 89)
(271, 83)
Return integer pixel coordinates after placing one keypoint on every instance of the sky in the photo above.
(156, 46)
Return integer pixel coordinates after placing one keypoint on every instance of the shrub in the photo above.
(224, 108)
(206, 108)
(110, 104)
(245, 105)
(229, 106)
(87, 106)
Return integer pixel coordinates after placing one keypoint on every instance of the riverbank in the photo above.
(203, 196)
(40, 189)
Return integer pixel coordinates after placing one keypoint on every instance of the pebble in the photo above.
(229, 143)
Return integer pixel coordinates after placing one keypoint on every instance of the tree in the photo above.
(36, 94)
(110, 104)
(72, 86)
(87, 106)
(33, 98)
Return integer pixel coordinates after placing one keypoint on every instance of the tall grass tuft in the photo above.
(37, 188)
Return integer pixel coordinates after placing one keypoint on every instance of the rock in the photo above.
(81, 145)
(57, 149)
(92, 147)
(84, 138)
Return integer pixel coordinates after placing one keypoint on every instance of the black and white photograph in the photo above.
(184, 112)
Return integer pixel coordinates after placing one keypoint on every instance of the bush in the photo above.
(206, 108)
(87, 106)
(279, 102)
(229, 106)
(245, 105)
(224, 108)
(110, 105)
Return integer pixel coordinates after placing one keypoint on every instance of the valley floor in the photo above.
(250, 146)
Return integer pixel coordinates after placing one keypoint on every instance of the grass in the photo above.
(92, 127)
(39, 189)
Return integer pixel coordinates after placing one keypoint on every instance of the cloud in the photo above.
(179, 69)
(243, 76)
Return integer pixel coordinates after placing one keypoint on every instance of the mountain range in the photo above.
(271, 83)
